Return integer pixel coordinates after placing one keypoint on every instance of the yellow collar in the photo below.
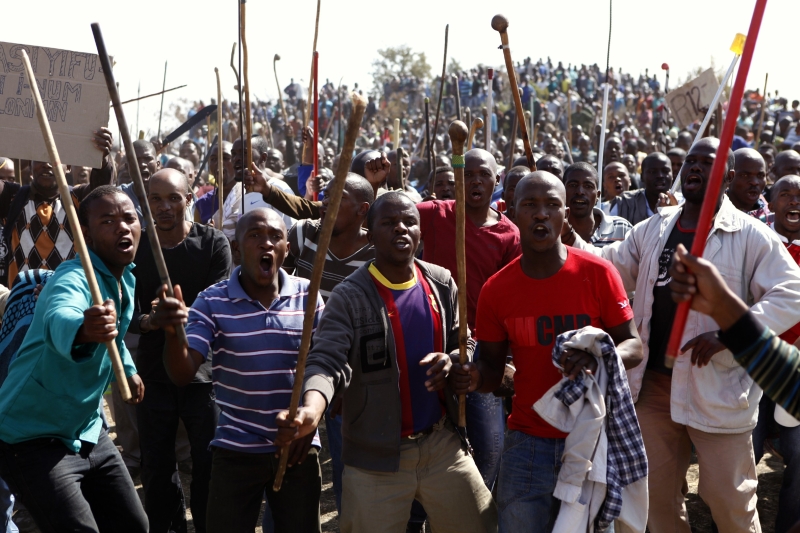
(388, 284)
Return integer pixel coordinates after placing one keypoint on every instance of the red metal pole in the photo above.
(717, 173)
(316, 116)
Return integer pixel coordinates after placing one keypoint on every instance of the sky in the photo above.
(193, 37)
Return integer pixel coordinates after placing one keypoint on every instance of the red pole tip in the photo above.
(664, 66)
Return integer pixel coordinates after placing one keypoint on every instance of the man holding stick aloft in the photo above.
(706, 400)
(196, 256)
(54, 452)
(252, 322)
(22, 246)
(386, 342)
(492, 242)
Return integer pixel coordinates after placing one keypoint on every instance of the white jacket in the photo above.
(719, 397)
(581, 485)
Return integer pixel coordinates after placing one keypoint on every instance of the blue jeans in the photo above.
(67, 491)
(789, 444)
(6, 502)
(527, 480)
(486, 424)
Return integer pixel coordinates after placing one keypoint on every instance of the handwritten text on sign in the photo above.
(75, 99)
(687, 102)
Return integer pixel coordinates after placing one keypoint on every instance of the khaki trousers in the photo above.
(727, 466)
(434, 470)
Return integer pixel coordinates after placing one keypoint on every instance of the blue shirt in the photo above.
(254, 356)
(54, 387)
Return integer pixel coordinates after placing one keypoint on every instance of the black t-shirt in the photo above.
(201, 260)
(663, 306)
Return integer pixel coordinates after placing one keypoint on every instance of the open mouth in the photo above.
(693, 182)
(401, 243)
(793, 216)
(446, 196)
(476, 194)
(125, 245)
(753, 194)
(266, 264)
(540, 231)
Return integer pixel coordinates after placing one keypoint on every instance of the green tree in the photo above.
(400, 61)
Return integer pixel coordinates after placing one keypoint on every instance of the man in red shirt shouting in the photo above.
(547, 291)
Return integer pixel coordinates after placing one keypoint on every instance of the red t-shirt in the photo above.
(530, 313)
(488, 249)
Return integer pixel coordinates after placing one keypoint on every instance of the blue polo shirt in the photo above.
(254, 356)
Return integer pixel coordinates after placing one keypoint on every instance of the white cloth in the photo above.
(719, 397)
(232, 207)
(581, 485)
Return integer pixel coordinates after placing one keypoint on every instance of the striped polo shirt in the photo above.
(254, 356)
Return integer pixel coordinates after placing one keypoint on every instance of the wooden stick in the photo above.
(487, 130)
(316, 118)
(72, 216)
(280, 95)
(345, 158)
(476, 125)
(500, 24)
(163, 90)
(458, 134)
(458, 98)
(311, 77)
(763, 108)
(441, 84)
(569, 116)
(431, 148)
(528, 120)
(233, 66)
(717, 175)
(467, 116)
(246, 89)
(150, 96)
(513, 143)
(220, 158)
(396, 134)
(133, 169)
(399, 155)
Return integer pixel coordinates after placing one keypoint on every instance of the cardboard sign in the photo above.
(686, 103)
(75, 98)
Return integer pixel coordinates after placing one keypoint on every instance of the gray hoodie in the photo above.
(353, 353)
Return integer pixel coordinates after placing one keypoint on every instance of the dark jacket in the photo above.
(353, 354)
(632, 206)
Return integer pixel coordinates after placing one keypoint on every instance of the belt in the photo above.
(419, 435)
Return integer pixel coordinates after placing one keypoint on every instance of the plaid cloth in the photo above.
(627, 461)
(762, 212)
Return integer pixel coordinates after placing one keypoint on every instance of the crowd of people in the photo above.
(577, 418)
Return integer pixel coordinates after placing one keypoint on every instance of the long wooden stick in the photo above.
(441, 84)
(428, 136)
(248, 119)
(163, 90)
(458, 97)
(233, 66)
(150, 96)
(316, 118)
(220, 153)
(763, 108)
(500, 24)
(477, 124)
(345, 158)
(458, 135)
(311, 77)
(72, 216)
(280, 95)
(133, 168)
(717, 174)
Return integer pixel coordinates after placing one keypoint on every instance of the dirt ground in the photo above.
(770, 473)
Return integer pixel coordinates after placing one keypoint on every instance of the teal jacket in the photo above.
(54, 387)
